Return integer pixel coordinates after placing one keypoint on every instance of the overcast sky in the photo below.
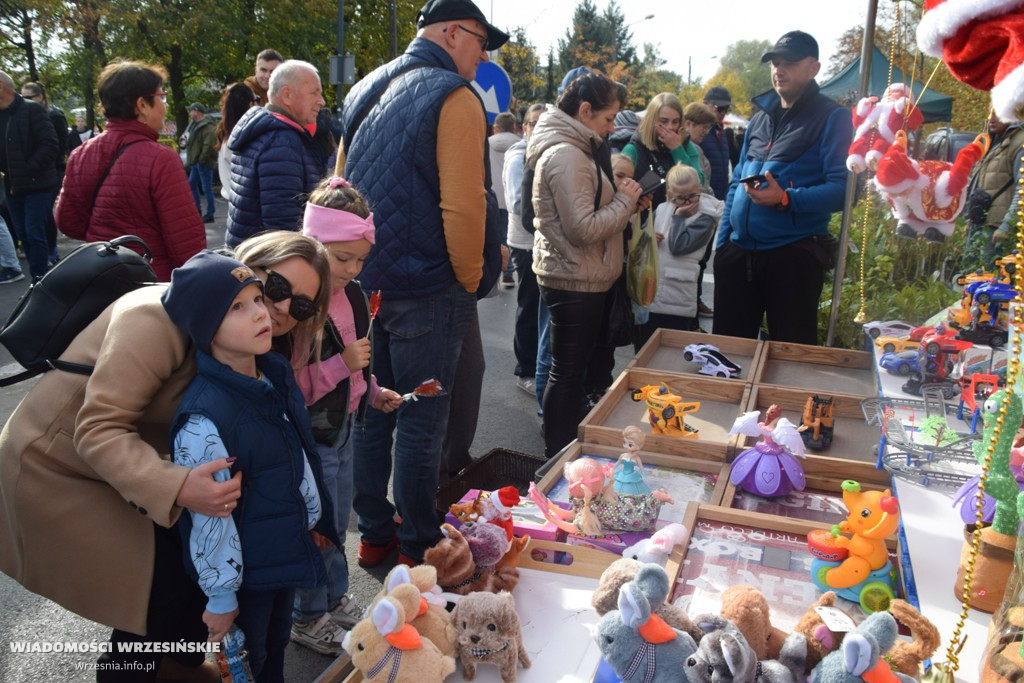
(681, 31)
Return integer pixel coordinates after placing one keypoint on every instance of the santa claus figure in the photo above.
(877, 122)
(926, 196)
(982, 44)
(497, 507)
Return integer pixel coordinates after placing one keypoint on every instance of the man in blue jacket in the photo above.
(275, 161)
(773, 246)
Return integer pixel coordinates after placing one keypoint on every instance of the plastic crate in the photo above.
(500, 467)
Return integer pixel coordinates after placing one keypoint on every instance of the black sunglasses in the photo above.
(277, 288)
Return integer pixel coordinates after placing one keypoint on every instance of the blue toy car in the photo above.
(901, 363)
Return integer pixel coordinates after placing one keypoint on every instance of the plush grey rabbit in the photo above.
(861, 651)
(724, 656)
(637, 644)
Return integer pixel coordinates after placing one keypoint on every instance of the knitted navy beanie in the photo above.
(201, 293)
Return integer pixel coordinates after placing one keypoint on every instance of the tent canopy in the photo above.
(844, 85)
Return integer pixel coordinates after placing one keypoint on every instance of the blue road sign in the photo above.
(494, 87)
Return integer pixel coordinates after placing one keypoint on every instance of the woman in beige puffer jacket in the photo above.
(577, 249)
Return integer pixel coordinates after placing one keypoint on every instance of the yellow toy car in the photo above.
(890, 344)
(666, 410)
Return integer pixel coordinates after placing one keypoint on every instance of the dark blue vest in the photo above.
(392, 159)
(266, 428)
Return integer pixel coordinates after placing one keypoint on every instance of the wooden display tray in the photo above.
(818, 369)
(726, 547)
(674, 462)
(854, 441)
(663, 352)
(538, 615)
(821, 503)
(721, 400)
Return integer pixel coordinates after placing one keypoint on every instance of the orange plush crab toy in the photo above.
(877, 121)
(926, 196)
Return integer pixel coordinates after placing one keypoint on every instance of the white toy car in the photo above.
(712, 361)
(889, 328)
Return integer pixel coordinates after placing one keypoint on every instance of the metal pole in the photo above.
(851, 179)
(341, 52)
(393, 20)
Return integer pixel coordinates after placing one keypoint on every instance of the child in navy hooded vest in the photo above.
(244, 405)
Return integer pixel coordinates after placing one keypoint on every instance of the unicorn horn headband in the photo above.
(336, 225)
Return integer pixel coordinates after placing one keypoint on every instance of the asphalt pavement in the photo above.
(508, 419)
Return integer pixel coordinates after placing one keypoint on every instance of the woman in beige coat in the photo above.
(577, 249)
(88, 492)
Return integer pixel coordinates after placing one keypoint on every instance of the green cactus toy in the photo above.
(1001, 484)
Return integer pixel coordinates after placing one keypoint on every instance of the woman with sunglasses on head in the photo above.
(124, 182)
(88, 492)
(577, 255)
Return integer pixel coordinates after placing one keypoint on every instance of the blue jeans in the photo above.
(413, 340)
(265, 619)
(199, 174)
(28, 212)
(8, 254)
(336, 461)
(543, 352)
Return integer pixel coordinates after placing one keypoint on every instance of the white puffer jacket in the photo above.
(680, 252)
(574, 247)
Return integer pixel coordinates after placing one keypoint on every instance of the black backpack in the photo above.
(59, 305)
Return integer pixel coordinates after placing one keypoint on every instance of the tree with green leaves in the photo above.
(743, 58)
(519, 60)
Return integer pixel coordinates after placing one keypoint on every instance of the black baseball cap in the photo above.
(793, 47)
(718, 96)
(436, 11)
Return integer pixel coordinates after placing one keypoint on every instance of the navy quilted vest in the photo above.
(393, 161)
(266, 428)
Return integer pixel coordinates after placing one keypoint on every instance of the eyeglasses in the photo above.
(723, 109)
(481, 38)
(277, 288)
(160, 94)
(686, 200)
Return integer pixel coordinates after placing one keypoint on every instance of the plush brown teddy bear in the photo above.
(747, 608)
(619, 572)
(489, 633)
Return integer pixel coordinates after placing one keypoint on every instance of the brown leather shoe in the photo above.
(704, 310)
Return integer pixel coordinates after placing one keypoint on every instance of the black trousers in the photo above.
(655, 320)
(781, 284)
(175, 613)
(527, 299)
(576, 321)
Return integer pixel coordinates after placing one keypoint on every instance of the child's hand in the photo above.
(387, 401)
(357, 354)
(218, 625)
(320, 540)
(659, 237)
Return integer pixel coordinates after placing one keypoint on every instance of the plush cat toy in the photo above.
(635, 641)
(724, 655)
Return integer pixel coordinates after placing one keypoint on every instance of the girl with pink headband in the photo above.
(337, 388)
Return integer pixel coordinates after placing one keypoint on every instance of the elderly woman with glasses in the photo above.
(124, 182)
(88, 493)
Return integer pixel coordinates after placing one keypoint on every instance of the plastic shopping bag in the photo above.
(642, 265)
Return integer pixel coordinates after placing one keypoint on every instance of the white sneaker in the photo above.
(323, 635)
(348, 613)
(527, 384)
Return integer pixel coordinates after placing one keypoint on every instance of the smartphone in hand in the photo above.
(758, 178)
(650, 182)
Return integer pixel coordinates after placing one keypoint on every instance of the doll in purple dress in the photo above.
(770, 468)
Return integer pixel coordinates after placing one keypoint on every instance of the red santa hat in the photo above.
(982, 44)
(504, 499)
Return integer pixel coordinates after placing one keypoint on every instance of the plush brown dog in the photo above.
(619, 572)
(489, 633)
(457, 572)
(747, 608)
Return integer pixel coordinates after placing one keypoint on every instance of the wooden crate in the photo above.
(663, 352)
(817, 368)
(721, 400)
(821, 503)
(713, 473)
(728, 547)
(551, 625)
(854, 441)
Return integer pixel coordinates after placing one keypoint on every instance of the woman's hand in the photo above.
(631, 188)
(357, 355)
(668, 137)
(218, 625)
(203, 494)
(645, 202)
(387, 401)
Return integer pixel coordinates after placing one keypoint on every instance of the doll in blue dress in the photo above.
(629, 470)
